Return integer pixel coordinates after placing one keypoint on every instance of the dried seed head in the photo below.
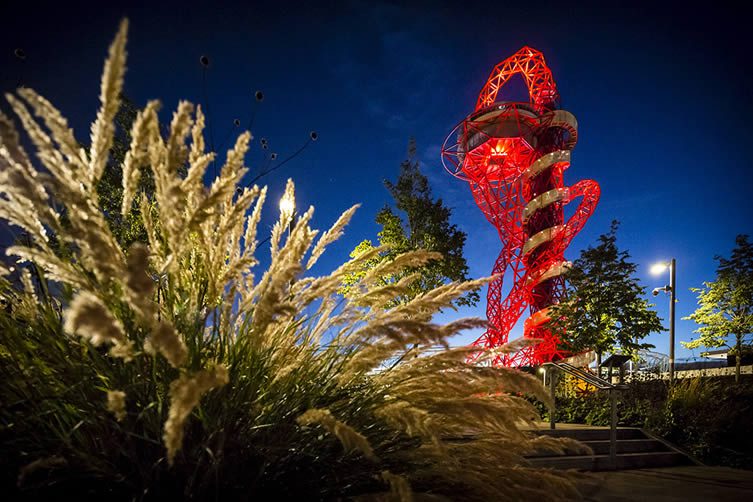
(138, 280)
(116, 403)
(349, 437)
(88, 317)
(185, 394)
(165, 340)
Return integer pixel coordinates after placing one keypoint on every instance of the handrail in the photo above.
(600, 384)
(588, 377)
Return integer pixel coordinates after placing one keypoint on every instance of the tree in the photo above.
(605, 307)
(426, 226)
(725, 306)
(129, 228)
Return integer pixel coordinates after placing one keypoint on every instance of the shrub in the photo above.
(711, 419)
(168, 369)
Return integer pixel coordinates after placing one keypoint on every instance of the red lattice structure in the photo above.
(514, 156)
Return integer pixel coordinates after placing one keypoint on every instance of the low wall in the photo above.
(727, 371)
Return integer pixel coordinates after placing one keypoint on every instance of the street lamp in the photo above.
(672, 290)
(287, 205)
(287, 210)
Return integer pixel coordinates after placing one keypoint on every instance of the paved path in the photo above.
(669, 484)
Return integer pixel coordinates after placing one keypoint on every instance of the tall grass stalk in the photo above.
(174, 368)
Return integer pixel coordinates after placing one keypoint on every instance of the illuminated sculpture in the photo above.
(514, 156)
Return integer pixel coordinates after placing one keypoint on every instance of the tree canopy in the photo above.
(725, 306)
(424, 224)
(129, 228)
(605, 308)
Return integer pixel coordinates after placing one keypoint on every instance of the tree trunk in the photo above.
(598, 364)
(738, 356)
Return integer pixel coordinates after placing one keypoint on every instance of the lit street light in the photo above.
(287, 211)
(671, 289)
(287, 205)
(658, 268)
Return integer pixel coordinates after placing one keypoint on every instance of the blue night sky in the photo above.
(661, 95)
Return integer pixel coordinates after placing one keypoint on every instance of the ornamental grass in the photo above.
(174, 367)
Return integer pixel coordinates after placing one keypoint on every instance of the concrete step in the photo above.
(601, 447)
(602, 463)
(595, 434)
(635, 450)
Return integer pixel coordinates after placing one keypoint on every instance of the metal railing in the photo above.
(597, 382)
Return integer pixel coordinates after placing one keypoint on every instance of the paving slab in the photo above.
(669, 484)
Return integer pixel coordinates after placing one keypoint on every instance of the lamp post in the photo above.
(671, 289)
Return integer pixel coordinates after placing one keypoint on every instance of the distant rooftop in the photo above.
(716, 354)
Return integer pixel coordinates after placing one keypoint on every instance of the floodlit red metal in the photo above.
(513, 155)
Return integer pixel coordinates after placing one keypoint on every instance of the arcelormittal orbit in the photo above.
(514, 155)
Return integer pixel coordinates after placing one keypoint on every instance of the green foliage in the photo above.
(711, 419)
(634, 408)
(746, 350)
(725, 306)
(426, 225)
(128, 228)
(605, 309)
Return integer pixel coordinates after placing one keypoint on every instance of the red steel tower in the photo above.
(513, 155)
